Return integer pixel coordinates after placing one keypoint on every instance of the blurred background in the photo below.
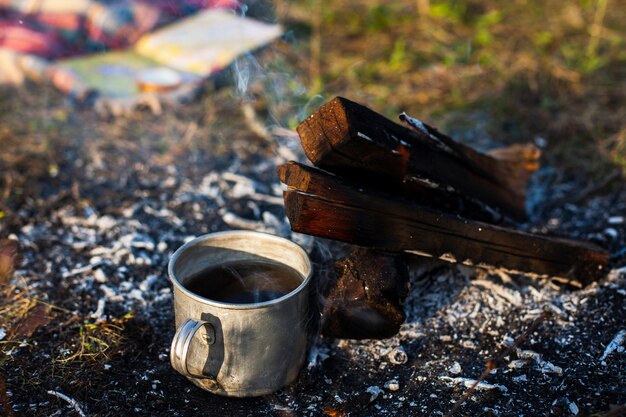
(485, 72)
(501, 71)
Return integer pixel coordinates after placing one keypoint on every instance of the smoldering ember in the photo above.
(465, 261)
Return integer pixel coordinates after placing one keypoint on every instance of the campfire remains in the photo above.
(412, 189)
(365, 302)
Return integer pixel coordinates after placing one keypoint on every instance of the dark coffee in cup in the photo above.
(245, 282)
(237, 347)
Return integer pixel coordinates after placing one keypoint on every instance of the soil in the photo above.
(98, 205)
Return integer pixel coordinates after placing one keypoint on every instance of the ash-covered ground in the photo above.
(98, 206)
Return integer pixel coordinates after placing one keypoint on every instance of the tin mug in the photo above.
(239, 350)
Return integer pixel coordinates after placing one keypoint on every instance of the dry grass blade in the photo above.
(21, 314)
(15, 308)
(97, 340)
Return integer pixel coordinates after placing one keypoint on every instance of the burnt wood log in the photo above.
(365, 300)
(321, 204)
(353, 141)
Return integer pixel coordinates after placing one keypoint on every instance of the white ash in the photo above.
(468, 344)
(509, 295)
(77, 271)
(136, 294)
(98, 315)
(146, 284)
(375, 391)
(392, 385)
(397, 356)
(72, 402)
(282, 408)
(375, 351)
(468, 383)
(111, 295)
(136, 240)
(530, 357)
(240, 185)
(615, 345)
(317, 355)
(409, 331)
(455, 369)
(269, 223)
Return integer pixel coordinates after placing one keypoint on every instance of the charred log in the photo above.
(321, 204)
(351, 140)
(365, 301)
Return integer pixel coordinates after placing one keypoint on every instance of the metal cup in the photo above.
(239, 350)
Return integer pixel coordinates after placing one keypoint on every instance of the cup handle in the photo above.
(181, 342)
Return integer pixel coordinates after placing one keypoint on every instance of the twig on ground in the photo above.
(493, 363)
(71, 401)
(5, 402)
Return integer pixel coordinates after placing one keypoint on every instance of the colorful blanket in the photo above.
(56, 28)
(110, 51)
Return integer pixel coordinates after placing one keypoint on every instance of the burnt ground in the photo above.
(97, 216)
(98, 205)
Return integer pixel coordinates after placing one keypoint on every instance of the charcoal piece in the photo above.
(365, 302)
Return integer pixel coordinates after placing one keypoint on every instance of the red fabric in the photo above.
(24, 38)
(177, 8)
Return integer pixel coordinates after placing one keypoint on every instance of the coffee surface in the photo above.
(244, 282)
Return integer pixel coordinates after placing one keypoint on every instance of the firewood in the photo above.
(365, 301)
(432, 194)
(351, 140)
(321, 204)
